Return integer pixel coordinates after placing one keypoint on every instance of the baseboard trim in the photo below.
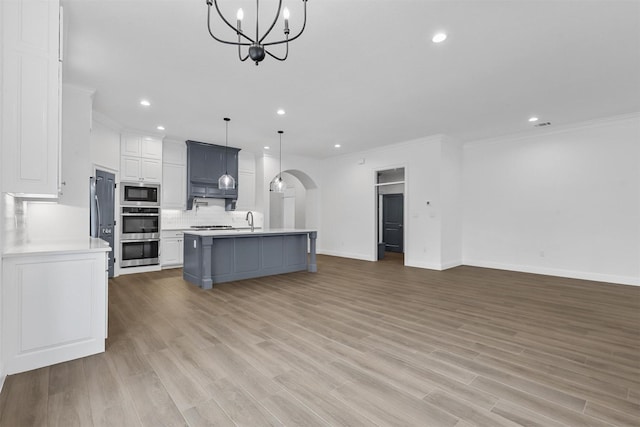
(2, 378)
(420, 264)
(571, 274)
(345, 255)
(451, 264)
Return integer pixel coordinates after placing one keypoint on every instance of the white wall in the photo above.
(349, 202)
(105, 143)
(451, 203)
(562, 202)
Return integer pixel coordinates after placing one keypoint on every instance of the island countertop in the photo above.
(245, 232)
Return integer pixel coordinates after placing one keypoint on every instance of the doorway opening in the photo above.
(297, 206)
(390, 214)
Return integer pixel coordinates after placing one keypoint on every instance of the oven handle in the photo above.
(138, 240)
(140, 214)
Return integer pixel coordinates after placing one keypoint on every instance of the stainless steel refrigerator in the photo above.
(102, 202)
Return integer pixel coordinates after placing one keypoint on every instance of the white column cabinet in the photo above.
(174, 175)
(246, 181)
(30, 90)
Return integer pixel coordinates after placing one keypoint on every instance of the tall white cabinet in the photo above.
(31, 77)
(174, 175)
(246, 181)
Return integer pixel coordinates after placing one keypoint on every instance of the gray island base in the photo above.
(224, 256)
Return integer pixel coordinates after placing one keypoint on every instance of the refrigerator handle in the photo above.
(98, 212)
(92, 195)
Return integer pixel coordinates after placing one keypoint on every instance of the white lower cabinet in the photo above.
(171, 253)
(53, 308)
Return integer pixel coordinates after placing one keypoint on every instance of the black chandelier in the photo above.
(257, 46)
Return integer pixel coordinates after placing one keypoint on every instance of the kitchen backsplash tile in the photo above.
(206, 215)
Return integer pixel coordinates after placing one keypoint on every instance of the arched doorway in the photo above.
(297, 207)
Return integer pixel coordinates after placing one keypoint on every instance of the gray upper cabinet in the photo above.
(205, 164)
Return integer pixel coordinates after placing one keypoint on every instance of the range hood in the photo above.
(205, 164)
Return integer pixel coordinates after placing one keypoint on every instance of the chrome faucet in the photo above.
(249, 218)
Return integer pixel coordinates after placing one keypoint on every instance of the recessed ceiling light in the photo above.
(337, 146)
(533, 119)
(266, 147)
(160, 127)
(439, 38)
(145, 103)
(281, 112)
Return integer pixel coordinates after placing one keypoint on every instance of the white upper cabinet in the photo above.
(30, 67)
(136, 145)
(141, 158)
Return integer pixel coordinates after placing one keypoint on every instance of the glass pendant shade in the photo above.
(278, 185)
(226, 182)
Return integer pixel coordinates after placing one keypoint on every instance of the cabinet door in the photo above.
(151, 148)
(151, 170)
(30, 97)
(200, 168)
(130, 145)
(130, 169)
(172, 252)
(174, 186)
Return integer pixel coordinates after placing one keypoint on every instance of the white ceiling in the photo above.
(364, 73)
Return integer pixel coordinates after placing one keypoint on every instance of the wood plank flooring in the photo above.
(357, 344)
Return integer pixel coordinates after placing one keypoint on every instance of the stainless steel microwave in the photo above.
(139, 194)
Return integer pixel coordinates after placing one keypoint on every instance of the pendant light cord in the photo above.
(280, 132)
(226, 144)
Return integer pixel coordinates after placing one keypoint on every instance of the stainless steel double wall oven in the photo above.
(140, 235)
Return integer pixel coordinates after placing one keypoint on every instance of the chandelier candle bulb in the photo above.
(239, 17)
(285, 14)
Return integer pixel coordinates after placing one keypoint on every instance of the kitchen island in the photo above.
(217, 256)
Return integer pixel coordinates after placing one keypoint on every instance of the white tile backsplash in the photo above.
(213, 214)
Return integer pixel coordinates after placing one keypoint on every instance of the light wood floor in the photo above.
(356, 344)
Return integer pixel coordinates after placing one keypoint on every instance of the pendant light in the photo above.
(226, 181)
(278, 185)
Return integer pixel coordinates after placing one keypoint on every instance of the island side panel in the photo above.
(313, 266)
(192, 267)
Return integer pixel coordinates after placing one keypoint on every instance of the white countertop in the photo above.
(189, 229)
(248, 232)
(62, 247)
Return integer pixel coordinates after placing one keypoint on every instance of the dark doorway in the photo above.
(103, 187)
(392, 222)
